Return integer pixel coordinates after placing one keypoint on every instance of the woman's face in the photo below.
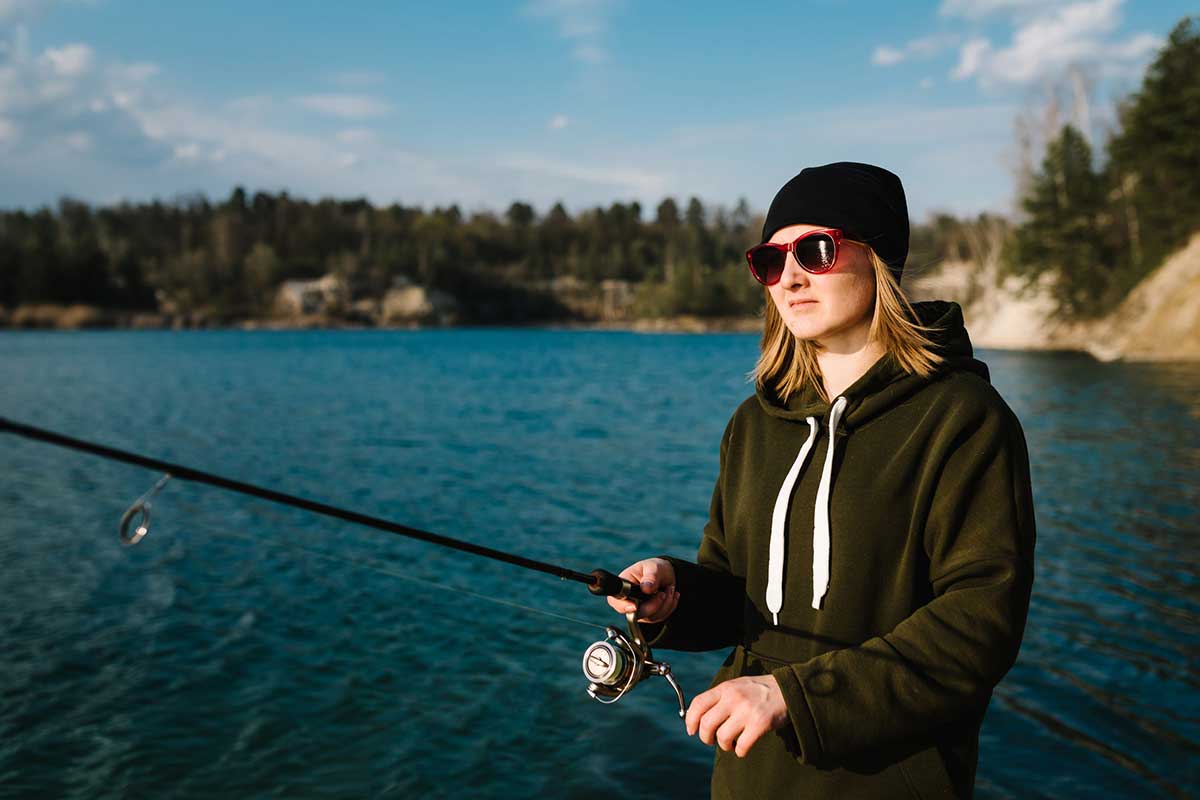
(834, 307)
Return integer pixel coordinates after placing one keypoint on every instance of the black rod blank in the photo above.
(599, 582)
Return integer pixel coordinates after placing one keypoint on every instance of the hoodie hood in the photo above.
(883, 386)
(886, 384)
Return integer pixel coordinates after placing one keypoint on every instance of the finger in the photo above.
(749, 735)
(672, 602)
(622, 606)
(667, 608)
(651, 607)
(713, 719)
(727, 734)
(700, 704)
(650, 577)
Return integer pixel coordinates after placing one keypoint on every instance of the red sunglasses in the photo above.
(815, 251)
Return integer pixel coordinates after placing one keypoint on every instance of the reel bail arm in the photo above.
(620, 662)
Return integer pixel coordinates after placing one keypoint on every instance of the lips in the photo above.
(802, 302)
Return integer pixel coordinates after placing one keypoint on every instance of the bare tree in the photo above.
(1041, 119)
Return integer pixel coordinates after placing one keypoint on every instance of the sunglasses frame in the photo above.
(835, 234)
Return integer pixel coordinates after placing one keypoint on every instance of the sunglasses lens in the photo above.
(767, 264)
(816, 253)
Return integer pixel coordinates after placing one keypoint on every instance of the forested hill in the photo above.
(252, 257)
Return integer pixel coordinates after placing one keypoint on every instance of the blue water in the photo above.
(249, 649)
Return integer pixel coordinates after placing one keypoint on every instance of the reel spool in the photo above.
(620, 662)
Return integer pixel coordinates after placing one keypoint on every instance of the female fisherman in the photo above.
(869, 550)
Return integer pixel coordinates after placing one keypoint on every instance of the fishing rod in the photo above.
(613, 666)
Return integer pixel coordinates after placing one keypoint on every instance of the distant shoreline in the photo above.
(47, 317)
(986, 333)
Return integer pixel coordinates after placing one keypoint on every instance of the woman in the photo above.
(869, 551)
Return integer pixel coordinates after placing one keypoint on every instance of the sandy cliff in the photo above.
(1159, 321)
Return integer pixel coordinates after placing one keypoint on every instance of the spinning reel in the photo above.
(617, 664)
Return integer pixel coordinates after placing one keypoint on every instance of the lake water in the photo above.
(250, 649)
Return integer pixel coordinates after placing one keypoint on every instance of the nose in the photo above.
(793, 273)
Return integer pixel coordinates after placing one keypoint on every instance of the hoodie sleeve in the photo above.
(944, 660)
(711, 598)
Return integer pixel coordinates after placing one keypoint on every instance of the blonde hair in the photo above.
(788, 363)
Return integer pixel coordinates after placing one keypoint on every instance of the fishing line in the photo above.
(599, 582)
(375, 567)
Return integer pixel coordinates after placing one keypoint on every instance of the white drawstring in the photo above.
(775, 562)
(820, 565)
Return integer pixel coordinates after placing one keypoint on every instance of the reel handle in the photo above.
(608, 585)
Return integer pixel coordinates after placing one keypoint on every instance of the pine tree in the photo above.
(1154, 160)
(1063, 232)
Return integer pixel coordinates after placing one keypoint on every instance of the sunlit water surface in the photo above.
(249, 649)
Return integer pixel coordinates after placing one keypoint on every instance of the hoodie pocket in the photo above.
(927, 775)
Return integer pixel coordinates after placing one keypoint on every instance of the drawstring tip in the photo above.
(775, 615)
(816, 601)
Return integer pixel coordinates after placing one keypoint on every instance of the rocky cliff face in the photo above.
(1159, 321)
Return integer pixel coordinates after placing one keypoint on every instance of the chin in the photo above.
(806, 332)
(806, 328)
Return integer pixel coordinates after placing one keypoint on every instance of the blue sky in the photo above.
(583, 101)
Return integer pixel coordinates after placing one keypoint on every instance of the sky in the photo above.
(584, 102)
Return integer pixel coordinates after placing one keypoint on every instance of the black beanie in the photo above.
(865, 201)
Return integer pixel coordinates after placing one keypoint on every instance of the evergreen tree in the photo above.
(1154, 165)
(1062, 234)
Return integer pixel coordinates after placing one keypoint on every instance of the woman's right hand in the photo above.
(656, 576)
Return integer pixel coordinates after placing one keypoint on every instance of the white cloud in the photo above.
(1078, 33)
(583, 23)
(558, 122)
(971, 58)
(590, 53)
(19, 9)
(923, 47)
(189, 151)
(26, 9)
(346, 106)
(886, 56)
(70, 60)
(123, 99)
(1137, 48)
(622, 179)
(932, 44)
(576, 19)
(78, 140)
(62, 98)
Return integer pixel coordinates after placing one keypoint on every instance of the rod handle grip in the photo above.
(605, 584)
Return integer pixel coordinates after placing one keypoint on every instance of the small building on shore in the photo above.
(320, 296)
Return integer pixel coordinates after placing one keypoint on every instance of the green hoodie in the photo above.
(897, 593)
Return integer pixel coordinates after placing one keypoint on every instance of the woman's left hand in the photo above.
(737, 712)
